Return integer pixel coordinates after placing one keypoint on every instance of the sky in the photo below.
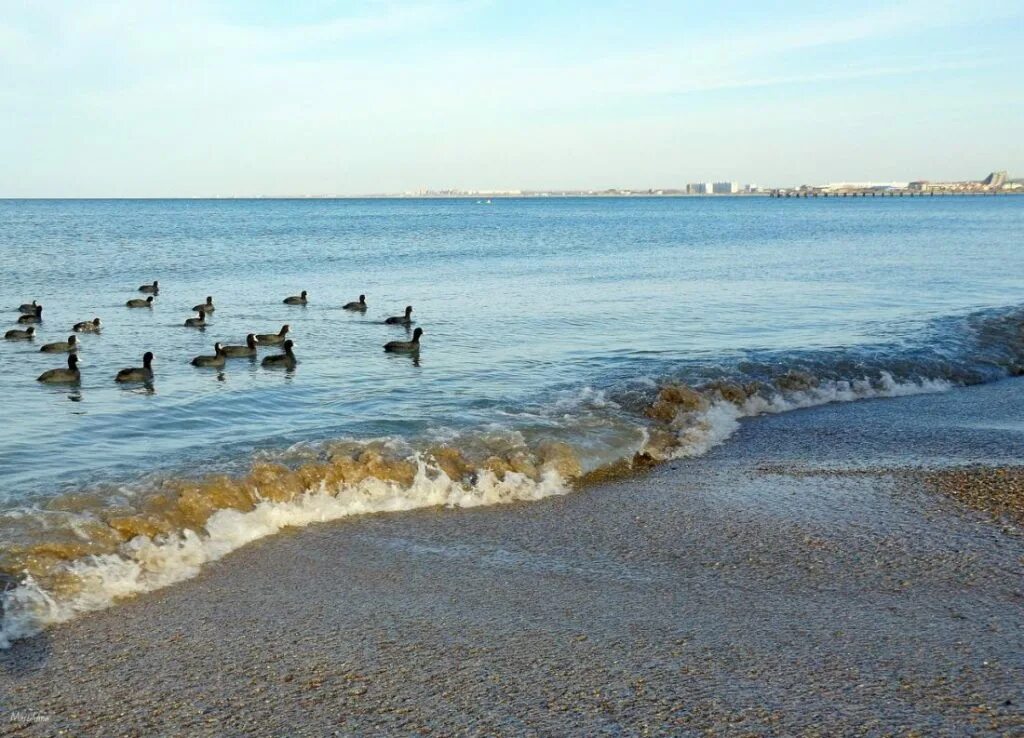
(190, 98)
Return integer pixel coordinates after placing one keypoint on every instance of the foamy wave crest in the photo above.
(146, 563)
(706, 417)
(88, 555)
(84, 550)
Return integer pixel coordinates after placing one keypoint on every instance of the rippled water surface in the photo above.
(564, 340)
(523, 302)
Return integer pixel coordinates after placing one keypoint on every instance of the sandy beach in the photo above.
(772, 587)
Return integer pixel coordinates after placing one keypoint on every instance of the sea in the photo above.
(563, 340)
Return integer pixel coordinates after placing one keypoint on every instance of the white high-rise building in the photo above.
(699, 188)
(725, 188)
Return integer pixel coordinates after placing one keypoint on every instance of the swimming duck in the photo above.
(61, 347)
(273, 339)
(62, 376)
(296, 299)
(17, 335)
(249, 349)
(139, 303)
(28, 307)
(217, 360)
(87, 326)
(401, 319)
(150, 289)
(198, 322)
(286, 360)
(36, 317)
(405, 346)
(358, 305)
(138, 374)
(205, 307)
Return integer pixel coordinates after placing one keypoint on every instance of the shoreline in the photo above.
(709, 594)
(127, 553)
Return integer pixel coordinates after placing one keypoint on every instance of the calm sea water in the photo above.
(523, 303)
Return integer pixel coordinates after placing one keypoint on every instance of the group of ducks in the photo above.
(32, 314)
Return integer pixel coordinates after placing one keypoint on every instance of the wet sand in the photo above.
(725, 595)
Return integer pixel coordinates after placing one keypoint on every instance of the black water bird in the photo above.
(249, 349)
(359, 304)
(197, 322)
(273, 339)
(150, 289)
(401, 319)
(140, 303)
(36, 317)
(21, 335)
(87, 326)
(138, 374)
(70, 375)
(61, 347)
(405, 347)
(299, 299)
(28, 307)
(205, 307)
(286, 360)
(217, 360)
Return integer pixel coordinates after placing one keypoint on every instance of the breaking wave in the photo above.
(84, 551)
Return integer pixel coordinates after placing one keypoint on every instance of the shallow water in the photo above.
(543, 320)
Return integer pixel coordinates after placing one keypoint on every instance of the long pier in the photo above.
(886, 193)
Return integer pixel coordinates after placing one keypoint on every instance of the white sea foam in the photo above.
(144, 564)
(700, 431)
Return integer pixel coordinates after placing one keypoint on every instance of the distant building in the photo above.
(699, 188)
(995, 180)
(725, 188)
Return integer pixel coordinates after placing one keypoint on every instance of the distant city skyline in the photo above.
(232, 98)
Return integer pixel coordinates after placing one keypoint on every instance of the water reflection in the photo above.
(411, 356)
(137, 388)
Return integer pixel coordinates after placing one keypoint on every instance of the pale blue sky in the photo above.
(243, 97)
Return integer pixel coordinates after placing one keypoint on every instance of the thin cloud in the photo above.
(186, 93)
